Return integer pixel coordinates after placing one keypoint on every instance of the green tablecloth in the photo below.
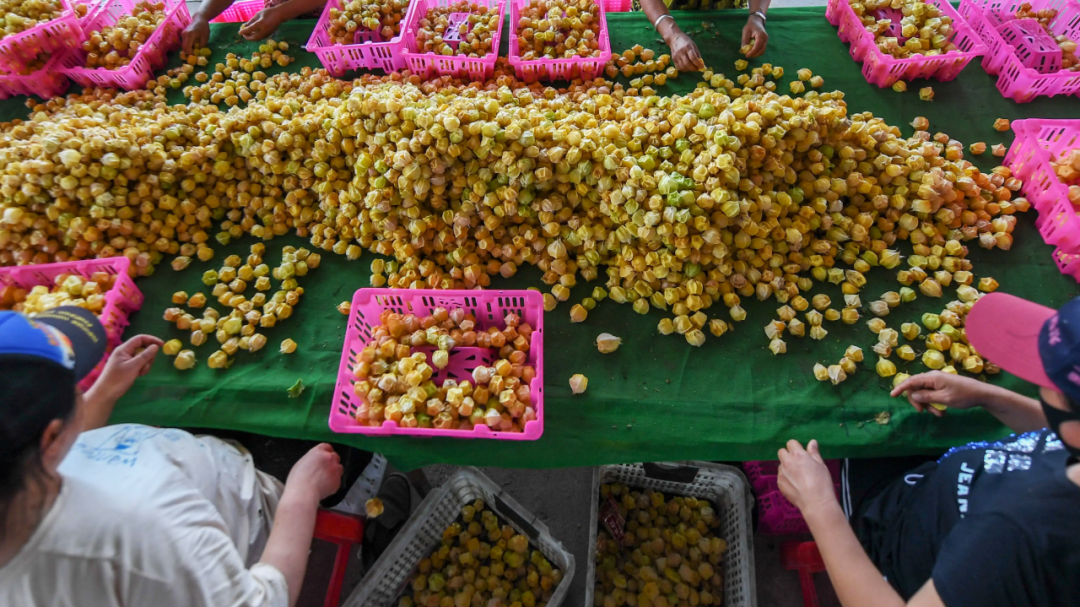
(656, 398)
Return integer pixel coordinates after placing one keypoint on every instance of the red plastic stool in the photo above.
(346, 531)
(804, 558)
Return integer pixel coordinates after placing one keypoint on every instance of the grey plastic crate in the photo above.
(724, 486)
(423, 532)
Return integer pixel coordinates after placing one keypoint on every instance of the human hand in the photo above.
(261, 25)
(803, 478)
(939, 388)
(128, 362)
(755, 29)
(318, 473)
(196, 34)
(684, 53)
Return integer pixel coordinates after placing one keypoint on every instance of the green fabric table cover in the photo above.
(656, 398)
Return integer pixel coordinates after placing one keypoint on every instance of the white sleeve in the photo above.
(208, 572)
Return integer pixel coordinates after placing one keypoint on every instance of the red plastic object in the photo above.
(489, 307)
(883, 69)
(1015, 80)
(239, 12)
(586, 68)
(776, 515)
(46, 83)
(368, 51)
(346, 531)
(151, 56)
(805, 558)
(1033, 46)
(430, 64)
(50, 37)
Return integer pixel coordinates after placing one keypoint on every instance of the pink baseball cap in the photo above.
(1027, 339)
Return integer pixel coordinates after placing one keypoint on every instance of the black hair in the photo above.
(33, 393)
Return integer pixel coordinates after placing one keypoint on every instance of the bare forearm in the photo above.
(759, 5)
(857, 581)
(294, 8)
(212, 8)
(654, 9)
(1018, 412)
(99, 406)
(289, 543)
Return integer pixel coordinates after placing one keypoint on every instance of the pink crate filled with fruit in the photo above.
(455, 38)
(46, 82)
(160, 22)
(374, 43)
(1015, 49)
(586, 18)
(462, 364)
(54, 26)
(888, 59)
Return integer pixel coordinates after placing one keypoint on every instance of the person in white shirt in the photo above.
(131, 515)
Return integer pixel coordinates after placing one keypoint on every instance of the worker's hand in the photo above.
(196, 34)
(128, 362)
(317, 474)
(935, 387)
(803, 478)
(261, 25)
(755, 30)
(684, 53)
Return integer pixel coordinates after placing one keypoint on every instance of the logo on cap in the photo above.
(60, 341)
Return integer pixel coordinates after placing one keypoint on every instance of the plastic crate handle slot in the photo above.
(511, 513)
(674, 474)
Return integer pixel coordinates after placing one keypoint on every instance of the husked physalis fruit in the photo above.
(777, 346)
(670, 548)
(885, 367)
(185, 359)
(344, 307)
(578, 383)
(920, 123)
(741, 64)
(988, 285)
(817, 82)
(695, 337)
(854, 353)
(172, 347)
(998, 150)
(469, 35)
(383, 18)
(288, 346)
(373, 507)
(797, 87)
(66, 290)
(578, 313)
(481, 560)
(117, 45)
(804, 74)
(977, 148)
(899, 86)
(821, 372)
(218, 360)
(926, 93)
(559, 29)
(836, 374)
(1001, 124)
(607, 343)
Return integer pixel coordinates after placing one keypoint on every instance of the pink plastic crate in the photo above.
(882, 69)
(1036, 142)
(489, 307)
(152, 55)
(46, 83)
(1016, 81)
(585, 68)
(50, 37)
(123, 299)
(776, 515)
(618, 6)
(370, 51)
(239, 12)
(1067, 263)
(430, 64)
(1033, 46)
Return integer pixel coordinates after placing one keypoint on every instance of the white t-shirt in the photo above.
(151, 517)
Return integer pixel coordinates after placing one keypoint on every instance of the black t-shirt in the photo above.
(994, 524)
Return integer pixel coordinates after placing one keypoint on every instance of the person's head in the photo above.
(41, 362)
(1037, 344)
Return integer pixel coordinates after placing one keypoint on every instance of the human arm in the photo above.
(805, 482)
(684, 53)
(1019, 413)
(197, 33)
(128, 362)
(266, 21)
(755, 28)
(316, 476)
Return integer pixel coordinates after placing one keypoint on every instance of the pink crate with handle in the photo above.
(46, 83)
(17, 50)
(369, 51)
(883, 69)
(121, 300)
(239, 12)
(1015, 80)
(585, 68)
(1034, 47)
(430, 64)
(489, 308)
(618, 6)
(776, 515)
(151, 56)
